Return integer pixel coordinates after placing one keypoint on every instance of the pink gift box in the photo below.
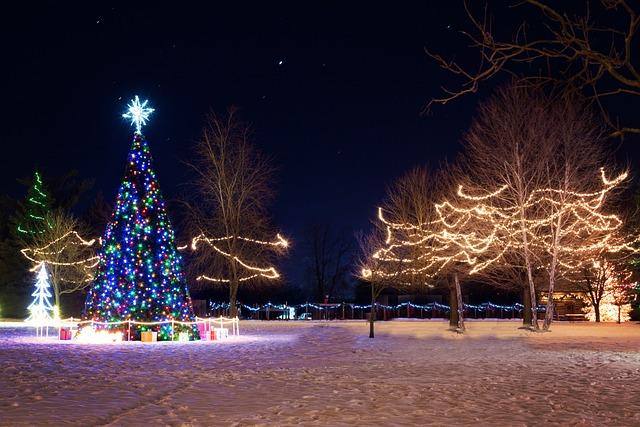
(203, 330)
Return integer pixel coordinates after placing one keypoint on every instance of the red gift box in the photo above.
(208, 336)
(65, 334)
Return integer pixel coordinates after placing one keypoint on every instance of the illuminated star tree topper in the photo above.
(138, 113)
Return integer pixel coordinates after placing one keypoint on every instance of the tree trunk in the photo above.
(459, 303)
(619, 310)
(56, 293)
(526, 310)
(234, 282)
(532, 285)
(596, 310)
(54, 281)
(453, 304)
(548, 316)
(233, 294)
(372, 313)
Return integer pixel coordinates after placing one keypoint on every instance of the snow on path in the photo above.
(291, 373)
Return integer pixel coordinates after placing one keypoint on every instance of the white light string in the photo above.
(269, 273)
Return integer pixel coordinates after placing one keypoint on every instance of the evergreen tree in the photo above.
(21, 223)
(14, 291)
(140, 275)
(33, 216)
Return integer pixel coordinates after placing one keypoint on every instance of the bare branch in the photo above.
(595, 60)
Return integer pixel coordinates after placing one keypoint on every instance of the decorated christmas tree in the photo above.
(33, 218)
(139, 275)
(41, 310)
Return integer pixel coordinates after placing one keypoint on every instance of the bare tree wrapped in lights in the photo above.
(623, 291)
(426, 242)
(392, 253)
(71, 259)
(505, 150)
(542, 154)
(574, 228)
(233, 183)
(606, 282)
(529, 192)
(378, 272)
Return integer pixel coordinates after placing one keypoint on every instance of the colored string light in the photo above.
(426, 307)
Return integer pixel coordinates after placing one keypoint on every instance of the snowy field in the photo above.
(312, 373)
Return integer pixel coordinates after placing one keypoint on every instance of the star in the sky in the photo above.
(138, 113)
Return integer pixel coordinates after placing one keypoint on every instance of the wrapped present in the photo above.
(65, 334)
(203, 329)
(183, 337)
(149, 336)
(209, 335)
(221, 333)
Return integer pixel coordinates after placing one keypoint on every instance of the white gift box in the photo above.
(222, 333)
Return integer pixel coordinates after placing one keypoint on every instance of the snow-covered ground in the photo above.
(291, 373)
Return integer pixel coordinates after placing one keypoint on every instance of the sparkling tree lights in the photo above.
(139, 274)
(455, 241)
(566, 228)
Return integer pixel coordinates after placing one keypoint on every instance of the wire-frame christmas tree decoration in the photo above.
(40, 309)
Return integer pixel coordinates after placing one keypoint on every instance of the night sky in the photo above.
(334, 94)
